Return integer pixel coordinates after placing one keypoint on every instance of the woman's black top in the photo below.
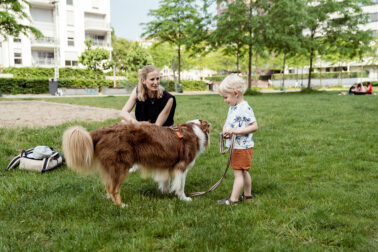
(150, 109)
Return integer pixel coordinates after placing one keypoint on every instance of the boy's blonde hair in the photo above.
(232, 83)
(142, 89)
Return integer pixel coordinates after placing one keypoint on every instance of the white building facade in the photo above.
(65, 25)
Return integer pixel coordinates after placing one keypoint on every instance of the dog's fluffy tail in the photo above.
(78, 149)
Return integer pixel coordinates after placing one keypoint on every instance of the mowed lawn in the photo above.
(314, 173)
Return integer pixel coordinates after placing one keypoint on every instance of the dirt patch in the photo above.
(41, 113)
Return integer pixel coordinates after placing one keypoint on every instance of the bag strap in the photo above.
(16, 160)
(47, 161)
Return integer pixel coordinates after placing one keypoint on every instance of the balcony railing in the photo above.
(43, 61)
(96, 25)
(44, 40)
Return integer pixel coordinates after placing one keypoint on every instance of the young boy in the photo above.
(241, 122)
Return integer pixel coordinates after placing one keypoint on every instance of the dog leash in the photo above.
(230, 149)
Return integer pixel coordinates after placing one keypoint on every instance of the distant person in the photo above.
(352, 89)
(361, 90)
(369, 88)
(241, 122)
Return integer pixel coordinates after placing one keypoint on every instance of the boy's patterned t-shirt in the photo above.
(240, 116)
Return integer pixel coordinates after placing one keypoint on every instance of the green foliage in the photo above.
(329, 75)
(314, 180)
(129, 56)
(12, 17)
(252, 91)
(187, 85)
(95, 59)
(41, 85)
(341, 36)
(177, 22)
(217, 78)
(41, 72)
(309, 91)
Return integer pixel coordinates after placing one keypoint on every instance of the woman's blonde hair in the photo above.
(142, 88)
(232, 83)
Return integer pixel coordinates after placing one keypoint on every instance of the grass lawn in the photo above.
(314, 177)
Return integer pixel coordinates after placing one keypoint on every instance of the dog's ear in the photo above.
(205, 126)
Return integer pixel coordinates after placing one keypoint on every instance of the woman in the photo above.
(152, 103)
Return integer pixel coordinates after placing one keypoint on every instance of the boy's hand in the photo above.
(228, 133)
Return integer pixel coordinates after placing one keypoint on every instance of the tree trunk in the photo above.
(174, 75)
(250, 67)
(179, 65)
(283, 73)
(310, 70)
(237, 58)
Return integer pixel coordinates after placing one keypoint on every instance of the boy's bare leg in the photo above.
(238, 185)
(247, 183)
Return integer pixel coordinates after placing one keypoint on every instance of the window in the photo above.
(16, 40)
(71, 62)
(69, 2)
(17, 58)
(71, 39)
(374, 17)
(70, 18)
(95, 4)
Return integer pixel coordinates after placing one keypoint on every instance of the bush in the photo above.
(41, 72)
(373, 83)
(41, 85)
(330, 75)
(252, 91)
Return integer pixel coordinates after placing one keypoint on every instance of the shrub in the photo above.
(41, 72)
(41, 85)
(252, 91)
(330, 75)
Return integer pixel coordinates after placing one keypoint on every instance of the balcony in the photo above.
(43, 61)
(43, 42)
(96, 25)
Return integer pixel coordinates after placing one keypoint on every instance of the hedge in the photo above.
(329, 75)
(187, 85)
(41, 85)
(41, 72)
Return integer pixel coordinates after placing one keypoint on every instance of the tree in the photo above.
(333, 26)
(129, 56)
(284, 35)
(228, 34)
(249, 15)
(12, 14)
(94, 58)
(177, 22)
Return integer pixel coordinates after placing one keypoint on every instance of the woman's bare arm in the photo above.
(163, 116)
(125, 112)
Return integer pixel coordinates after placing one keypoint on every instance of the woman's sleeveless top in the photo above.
(150, 109)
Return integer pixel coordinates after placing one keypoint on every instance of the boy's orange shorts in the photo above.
(241, 159)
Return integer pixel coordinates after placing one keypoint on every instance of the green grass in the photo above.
(314, 176)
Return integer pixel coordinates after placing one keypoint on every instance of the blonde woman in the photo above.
(152, 103)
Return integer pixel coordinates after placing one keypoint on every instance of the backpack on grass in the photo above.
(39, 159)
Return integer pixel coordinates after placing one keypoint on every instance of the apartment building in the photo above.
(65, 25)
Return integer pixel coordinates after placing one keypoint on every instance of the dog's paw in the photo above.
(123, 205)
(186, 199)
(108, 196)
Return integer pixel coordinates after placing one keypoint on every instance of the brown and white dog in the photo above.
(158, 150)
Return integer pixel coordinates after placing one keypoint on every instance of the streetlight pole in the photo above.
(57, 41)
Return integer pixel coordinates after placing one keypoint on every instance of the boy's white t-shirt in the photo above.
(240, 116)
